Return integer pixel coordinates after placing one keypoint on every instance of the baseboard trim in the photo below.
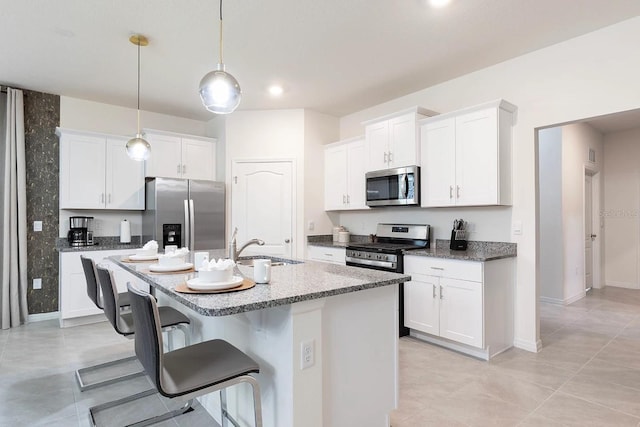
(626, 285)
(40, 317)
(531, 346)
(575, 298)
(567, 301)
(556, 301)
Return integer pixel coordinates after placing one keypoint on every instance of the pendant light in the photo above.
(138, 148)
(219, 90)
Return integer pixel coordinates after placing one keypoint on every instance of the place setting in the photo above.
(149, 252)
(215, 276)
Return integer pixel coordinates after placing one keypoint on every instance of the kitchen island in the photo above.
(347, 316)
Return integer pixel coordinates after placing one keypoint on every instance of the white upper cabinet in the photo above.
(466, 156)
(392, 141)
(96, 173)
(181, 156)
(344, 165)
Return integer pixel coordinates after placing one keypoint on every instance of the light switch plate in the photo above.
(37, 283)
(517, 227)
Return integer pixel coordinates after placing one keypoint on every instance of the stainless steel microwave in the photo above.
(393, 187)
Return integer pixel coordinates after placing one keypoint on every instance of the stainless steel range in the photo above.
(386, 253)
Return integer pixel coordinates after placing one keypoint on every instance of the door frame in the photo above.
(596, 222)
(294, 199)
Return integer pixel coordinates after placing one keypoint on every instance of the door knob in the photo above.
(287, 240)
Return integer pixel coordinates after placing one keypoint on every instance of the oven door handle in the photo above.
(366, 262)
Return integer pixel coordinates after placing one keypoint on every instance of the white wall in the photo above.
(550, 205)
(588, 76)
(97, 117)
(621, 208)
(264, 135)
(577, 139)
(286, 134)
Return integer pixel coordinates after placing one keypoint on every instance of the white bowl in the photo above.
(146, 252)
(214, 276)
(170, 260)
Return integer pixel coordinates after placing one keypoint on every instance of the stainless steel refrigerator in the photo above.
(184, 212)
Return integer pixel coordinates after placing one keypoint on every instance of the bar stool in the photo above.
(94, 294)
(190, 371)
(169, 319)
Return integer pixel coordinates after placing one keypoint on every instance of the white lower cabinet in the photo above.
(464, 305)
(327, 254)
(75, 307)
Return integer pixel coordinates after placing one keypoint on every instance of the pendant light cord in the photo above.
(221, 61)
(138, 85)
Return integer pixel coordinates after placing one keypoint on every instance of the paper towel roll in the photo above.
(125, 231)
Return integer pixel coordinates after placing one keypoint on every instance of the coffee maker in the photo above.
(80, 232)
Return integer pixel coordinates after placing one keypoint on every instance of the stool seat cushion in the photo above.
(202, 365)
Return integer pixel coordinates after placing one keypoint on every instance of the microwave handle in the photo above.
(404, 185)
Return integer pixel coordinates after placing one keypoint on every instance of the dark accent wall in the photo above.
(41, 117)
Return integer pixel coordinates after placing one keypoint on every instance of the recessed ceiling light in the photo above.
(276, 90)
(439, 3)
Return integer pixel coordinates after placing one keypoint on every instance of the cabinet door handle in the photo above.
(344, 199)
(437, 268)
(178, 170)
(287, 240)
(451, 191)
(441, 294)
(184, 169)
(109, 198)
(390, 157)
(457, 191)
(385, 157)
(434, 291)
(348, 199)
(101, 197)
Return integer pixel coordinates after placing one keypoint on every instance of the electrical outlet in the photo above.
(37, 225)
(311, 226)
(307, 354)
(37, 283)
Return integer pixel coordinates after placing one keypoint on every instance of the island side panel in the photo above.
(360, 342)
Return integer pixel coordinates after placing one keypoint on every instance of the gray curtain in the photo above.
(13, 295)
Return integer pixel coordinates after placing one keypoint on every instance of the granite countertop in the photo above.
(476, 250)
(290, 283)
(102, 244)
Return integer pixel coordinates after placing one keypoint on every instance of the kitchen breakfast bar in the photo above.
(347, 316)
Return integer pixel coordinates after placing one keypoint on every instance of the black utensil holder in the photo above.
(457, 244)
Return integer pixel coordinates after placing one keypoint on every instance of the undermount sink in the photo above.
(274, 263)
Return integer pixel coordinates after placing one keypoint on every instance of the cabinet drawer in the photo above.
(454, 269)
(327, 254)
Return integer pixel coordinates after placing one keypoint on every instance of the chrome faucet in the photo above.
(234, 253)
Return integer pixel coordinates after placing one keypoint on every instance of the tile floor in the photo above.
(38, 386)
(587, 374)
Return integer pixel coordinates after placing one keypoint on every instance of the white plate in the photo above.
(164, 268)
(199, 285)
(137, 257)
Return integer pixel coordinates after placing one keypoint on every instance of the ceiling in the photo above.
(332, 56)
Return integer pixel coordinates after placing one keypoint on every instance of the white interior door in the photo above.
(262, 206)
(589, 236)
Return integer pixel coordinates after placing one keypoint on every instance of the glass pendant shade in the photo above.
(138, 148)
(220, 91)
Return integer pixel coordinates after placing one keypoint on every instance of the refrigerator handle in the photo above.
(192, 221)
(187, 225)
